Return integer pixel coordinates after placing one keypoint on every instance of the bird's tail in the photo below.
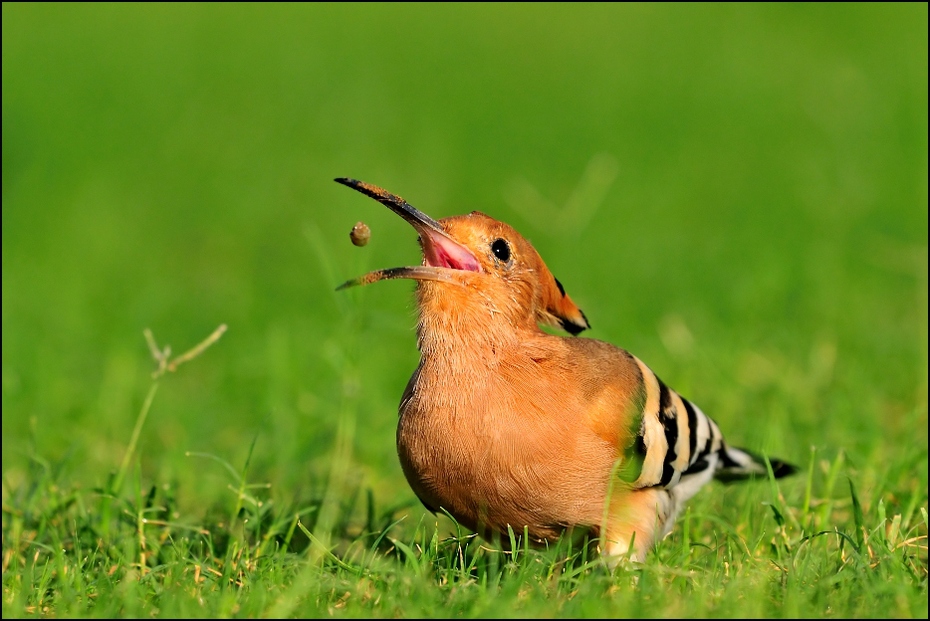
(736, 464)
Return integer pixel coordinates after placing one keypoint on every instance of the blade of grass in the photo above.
(857, 517)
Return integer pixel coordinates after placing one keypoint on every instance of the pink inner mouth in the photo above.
(440, 251)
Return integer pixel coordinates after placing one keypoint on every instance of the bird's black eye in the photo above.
(501, 249)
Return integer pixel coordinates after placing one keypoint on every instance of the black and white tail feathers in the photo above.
(736, 464)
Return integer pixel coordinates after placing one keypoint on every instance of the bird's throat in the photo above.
(462, 325)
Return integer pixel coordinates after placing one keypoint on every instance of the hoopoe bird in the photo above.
(504, 425)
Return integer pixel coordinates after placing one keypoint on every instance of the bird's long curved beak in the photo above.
(442, 255)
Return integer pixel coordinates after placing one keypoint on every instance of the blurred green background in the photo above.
(735, 193)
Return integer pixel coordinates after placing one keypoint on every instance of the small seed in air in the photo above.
(360, 234)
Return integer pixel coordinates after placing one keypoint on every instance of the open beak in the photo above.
(442, 255)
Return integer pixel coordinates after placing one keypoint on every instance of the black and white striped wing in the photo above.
(676, 439)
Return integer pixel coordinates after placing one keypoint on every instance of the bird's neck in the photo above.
(465, 331)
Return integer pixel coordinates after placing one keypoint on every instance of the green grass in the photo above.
(736, 194)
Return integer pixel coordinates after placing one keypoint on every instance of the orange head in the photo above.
(476, 263)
